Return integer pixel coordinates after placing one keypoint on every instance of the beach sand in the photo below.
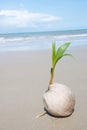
(24, 77)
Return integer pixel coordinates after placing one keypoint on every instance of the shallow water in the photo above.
(41, 40)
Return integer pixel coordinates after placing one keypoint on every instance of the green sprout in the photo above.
(57, 54)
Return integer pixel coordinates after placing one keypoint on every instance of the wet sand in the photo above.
(24, 77)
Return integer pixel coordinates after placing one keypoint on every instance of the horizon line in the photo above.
(44, 31)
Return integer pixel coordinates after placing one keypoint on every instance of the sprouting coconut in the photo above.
(58, 100)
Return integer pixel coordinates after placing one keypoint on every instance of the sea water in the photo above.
(41, 40)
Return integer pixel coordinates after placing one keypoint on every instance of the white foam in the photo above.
(38, 41)
(59, 37)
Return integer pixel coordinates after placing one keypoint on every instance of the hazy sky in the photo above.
(42, 15)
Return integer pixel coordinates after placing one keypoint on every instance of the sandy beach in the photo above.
(24, 77)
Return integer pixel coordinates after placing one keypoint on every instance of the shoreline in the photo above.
(40, 47)
(24, 77)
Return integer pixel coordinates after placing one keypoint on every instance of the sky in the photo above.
(42, 15)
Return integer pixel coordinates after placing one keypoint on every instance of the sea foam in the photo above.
(36, 41)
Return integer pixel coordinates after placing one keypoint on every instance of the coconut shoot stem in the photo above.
(52, 76)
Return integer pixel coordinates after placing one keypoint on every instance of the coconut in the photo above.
(59, 100)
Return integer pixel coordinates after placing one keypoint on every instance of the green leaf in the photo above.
(53, 53)
(60, 52)
(67, 55)
(62, 49)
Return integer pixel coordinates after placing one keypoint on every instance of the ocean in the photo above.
(41, 40)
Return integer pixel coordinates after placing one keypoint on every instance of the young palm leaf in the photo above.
(60, 52)
(57, 55)
(53, 53)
